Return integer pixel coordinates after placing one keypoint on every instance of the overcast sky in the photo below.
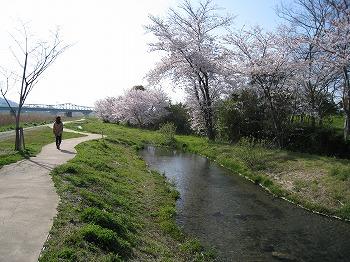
(109, 53)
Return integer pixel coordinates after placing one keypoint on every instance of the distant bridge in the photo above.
(66, 108)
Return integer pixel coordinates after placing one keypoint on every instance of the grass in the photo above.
(114, 209)
(7, 121)
(318, 183)
(337, 121)
(35, 139)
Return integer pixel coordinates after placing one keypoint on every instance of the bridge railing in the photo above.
(64, 107)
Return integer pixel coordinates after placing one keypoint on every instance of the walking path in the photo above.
(28, 201)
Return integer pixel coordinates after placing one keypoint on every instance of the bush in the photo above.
(253, 153)
(243, 115)
(168, 131)
(317, 140)
(177, 114)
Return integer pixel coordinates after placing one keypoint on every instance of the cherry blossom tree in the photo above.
(143, 107)
(336, 42)
(106, 108)
(138, 106)
(323, 26)
(193, 57)
(263, 60)
(316, 79)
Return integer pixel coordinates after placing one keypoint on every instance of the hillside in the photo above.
(3, 102)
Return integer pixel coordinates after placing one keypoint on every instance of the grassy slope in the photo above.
(7, 122)
(35, 139)
(113, 208)
(319, 183)
(24, 125)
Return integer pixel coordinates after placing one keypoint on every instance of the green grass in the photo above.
(7, 122)
(318, 183)
(337, 121)
(114, 209)
(35, 139)
(23, 124)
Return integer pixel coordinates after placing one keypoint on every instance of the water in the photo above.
(242, 221)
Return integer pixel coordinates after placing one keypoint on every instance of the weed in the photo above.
(340, 172)
(105, 219)
(168, 131)
(105, 238)
(344, 211)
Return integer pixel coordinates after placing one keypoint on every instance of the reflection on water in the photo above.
(242, 221)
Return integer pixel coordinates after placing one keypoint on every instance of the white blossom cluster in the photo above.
(139, 107)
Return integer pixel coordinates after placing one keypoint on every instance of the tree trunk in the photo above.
(206, 104)
(313, 121)
(276, 124)
(312, 103)
(320, 122)
(18, 139)
(209, 110)
(346, 126)
(346, 103)
(209, 123)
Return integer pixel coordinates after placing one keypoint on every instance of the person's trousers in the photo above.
(58, 141)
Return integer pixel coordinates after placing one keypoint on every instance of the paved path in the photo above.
(28, 201)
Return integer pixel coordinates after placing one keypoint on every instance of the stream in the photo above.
(240, 220)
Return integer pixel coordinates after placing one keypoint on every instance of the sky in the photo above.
(109, 51)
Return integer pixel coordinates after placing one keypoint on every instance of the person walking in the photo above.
(58, 130)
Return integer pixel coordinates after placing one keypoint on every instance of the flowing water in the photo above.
(242, 221)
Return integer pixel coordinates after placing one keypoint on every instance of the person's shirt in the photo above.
(58, 128)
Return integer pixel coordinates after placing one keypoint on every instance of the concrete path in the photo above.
(28, 201)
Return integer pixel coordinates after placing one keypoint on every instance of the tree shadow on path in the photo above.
(68, 152)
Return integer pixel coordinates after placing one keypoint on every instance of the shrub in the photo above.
(253, 153)
(242, 115)
(177, 114)
(320, 140)
(342, 173)
(168, 131)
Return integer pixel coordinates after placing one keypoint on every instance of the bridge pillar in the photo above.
(69, 114)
